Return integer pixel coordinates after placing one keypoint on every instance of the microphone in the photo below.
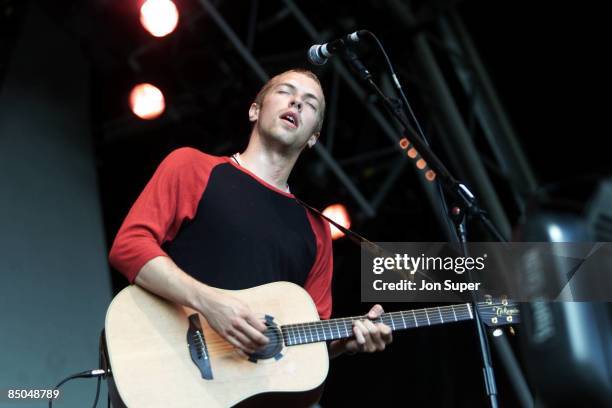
(319, 53)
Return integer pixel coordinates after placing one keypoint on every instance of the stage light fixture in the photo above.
(338, 213)
(159, 17)
(147, 101)
(420, 163)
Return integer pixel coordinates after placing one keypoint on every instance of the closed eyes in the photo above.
(284, 92)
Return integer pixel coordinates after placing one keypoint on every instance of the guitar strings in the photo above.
(311, 332)
(223, 345)
(390, 317)
(437, 310)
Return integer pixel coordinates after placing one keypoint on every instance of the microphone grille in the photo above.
(315, 57)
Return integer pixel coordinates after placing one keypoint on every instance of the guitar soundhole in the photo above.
(275, 345)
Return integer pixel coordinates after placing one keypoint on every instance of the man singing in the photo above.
(205, 222)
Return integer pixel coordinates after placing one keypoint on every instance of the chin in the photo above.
(283, 136)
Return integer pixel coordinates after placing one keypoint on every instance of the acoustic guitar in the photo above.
(165, 355)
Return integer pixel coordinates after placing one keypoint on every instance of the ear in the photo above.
(313, 139)
(253, 112)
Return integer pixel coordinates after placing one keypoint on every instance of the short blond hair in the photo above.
(271, 82)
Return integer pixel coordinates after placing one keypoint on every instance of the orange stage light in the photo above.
(159, 17)
(338, 213)
(147, 101)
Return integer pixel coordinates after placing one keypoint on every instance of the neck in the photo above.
(333, 329)
(271, 165)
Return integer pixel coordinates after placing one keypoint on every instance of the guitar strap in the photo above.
(352, 235)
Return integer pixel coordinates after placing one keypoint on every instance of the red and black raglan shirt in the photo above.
(225, 227)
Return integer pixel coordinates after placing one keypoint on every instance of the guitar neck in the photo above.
(333, 329)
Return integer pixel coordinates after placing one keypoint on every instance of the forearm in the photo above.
(163, 277)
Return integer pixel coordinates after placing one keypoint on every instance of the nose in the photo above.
(297, 104)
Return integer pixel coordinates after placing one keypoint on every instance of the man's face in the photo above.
(289, 113)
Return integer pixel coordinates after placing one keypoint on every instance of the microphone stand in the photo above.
(466, 207)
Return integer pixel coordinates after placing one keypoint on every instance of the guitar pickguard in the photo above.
(275, 345)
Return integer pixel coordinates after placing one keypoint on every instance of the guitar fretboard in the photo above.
(333, 329)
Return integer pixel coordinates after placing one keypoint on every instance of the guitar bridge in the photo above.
(197, 347)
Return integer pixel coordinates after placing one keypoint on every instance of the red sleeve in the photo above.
(319, 281)
(169, 198)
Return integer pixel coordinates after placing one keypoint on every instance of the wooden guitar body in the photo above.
(152, 364)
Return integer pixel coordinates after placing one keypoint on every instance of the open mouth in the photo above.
(290, 118)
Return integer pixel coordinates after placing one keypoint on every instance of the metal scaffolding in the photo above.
(451, 129)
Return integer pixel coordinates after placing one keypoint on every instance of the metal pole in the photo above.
(460, 137)
(506, 354)
(240, 47)
(487, 107)
(530, 182)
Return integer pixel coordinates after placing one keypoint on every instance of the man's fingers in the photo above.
(233, 340)
(370, 336)
(252, 333)
(375, 311)
(255, 322)
(360, 334)
(376, 343)
(247, 337)
(244, 342)
(385, 333)
(368, 331)
(372, 329)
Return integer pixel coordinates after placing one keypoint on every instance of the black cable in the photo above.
(398, 86)
(413, 118)
(85, 374)
(95, 403)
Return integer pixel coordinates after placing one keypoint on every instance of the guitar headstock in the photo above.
(498, 311)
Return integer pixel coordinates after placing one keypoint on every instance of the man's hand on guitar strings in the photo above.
(369, 336)
(233, 320)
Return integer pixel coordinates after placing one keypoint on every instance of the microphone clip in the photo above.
(356, 64)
